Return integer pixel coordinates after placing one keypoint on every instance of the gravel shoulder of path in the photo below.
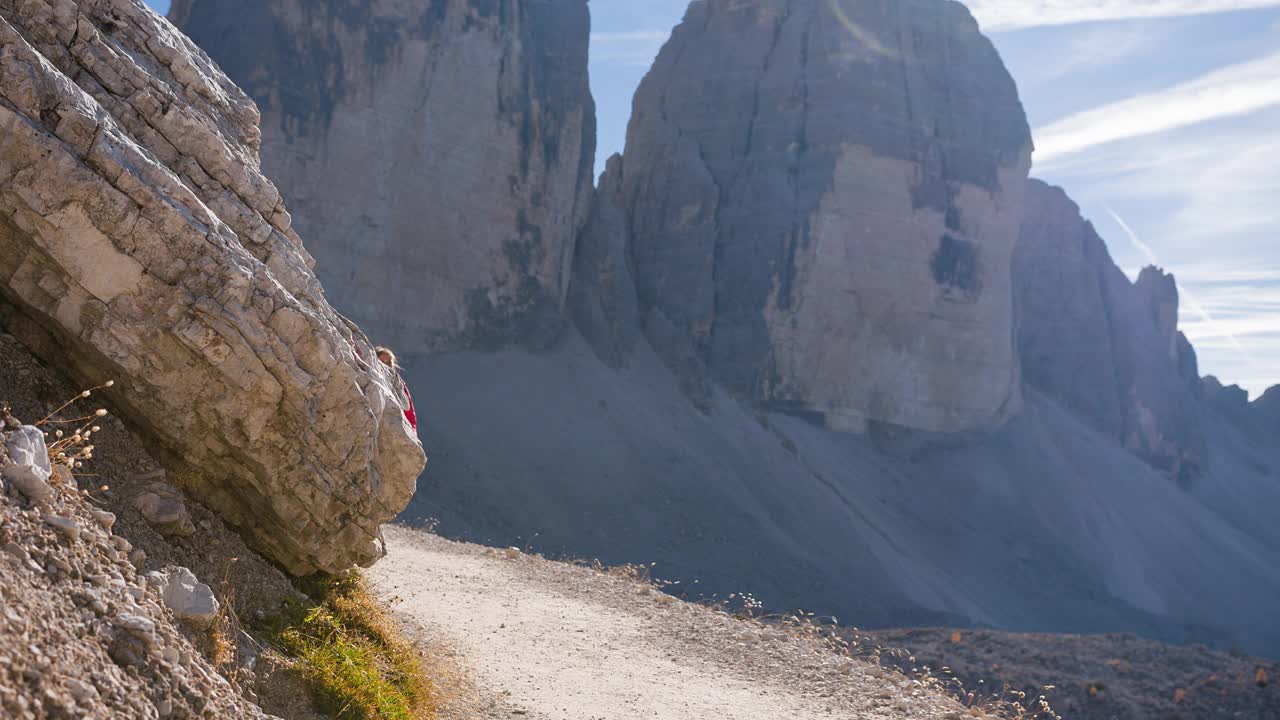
(528, 637)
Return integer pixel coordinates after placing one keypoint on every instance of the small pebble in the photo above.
(105, 519)
(66, 526)
(83, 692)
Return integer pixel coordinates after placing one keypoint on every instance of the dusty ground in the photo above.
(1100, 677)
(554, 641)
(122, 467)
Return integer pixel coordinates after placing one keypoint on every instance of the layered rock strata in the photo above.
(140, 242)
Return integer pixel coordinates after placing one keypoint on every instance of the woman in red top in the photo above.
(388, 358)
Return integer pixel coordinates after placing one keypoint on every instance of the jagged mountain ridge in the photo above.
(1107, 348)
(649, 431)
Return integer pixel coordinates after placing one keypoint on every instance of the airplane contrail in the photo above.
(1186, 294)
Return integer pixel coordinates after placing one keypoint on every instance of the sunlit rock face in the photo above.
(141, 243)
(436, 153)
(825, 210)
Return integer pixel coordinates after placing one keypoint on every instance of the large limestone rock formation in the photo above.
(817, 207)
(824, 200)
(1107, 349)
(139, 241)
(437, 155)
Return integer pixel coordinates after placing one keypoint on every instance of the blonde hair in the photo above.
(380, 351)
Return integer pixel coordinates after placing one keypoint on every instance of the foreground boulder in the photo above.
(28, 470)
(140, 241)
(185, 595)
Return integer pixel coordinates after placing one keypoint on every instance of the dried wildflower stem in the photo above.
(72, 420)
(67, 404)
(72, 450)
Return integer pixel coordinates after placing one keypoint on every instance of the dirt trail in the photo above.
(554, 641)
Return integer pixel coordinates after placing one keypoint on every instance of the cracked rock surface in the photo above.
(1106, 348)
(826, 209)
(140, 242)
(446, 144)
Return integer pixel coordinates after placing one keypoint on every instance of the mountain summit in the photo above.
(815, 335)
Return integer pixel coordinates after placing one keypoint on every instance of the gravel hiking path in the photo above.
(554, 641)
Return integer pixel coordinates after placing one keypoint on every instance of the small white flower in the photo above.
(109, 383)
(86, 393)
(101, 412)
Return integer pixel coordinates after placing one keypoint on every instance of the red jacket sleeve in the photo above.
(409, 414)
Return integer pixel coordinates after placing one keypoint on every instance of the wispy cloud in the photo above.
(1214, 183)
(1089, 49)
(996, 15)
(1234, 90)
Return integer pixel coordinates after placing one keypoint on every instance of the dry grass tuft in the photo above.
(350, 653)
(67, 440)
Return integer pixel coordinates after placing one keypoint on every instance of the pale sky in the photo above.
(1160, 117)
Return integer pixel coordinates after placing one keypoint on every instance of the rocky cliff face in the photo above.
(1267, 408)
(1107, 349)
(603, 292)
(1260, 417)
(139, 241)
(823, 202)
(436, 154)
(818, 208)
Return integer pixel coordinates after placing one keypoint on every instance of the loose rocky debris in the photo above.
(81, 634)
(1098, 677)
(164, 509)
(216, 559)
(185, 595)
